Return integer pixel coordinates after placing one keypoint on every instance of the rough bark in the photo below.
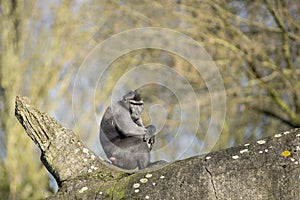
(265, 169)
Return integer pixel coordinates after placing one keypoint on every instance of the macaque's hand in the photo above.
(149, 137)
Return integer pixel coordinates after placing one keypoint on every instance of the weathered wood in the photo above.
(62, 152)
(265, 169)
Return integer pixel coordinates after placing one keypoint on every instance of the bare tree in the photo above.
(255, 45)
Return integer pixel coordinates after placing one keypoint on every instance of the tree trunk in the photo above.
(265, 169)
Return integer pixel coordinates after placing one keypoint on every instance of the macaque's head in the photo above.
(136, 108)
(135, 104)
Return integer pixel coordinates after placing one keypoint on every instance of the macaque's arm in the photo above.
(125, 124)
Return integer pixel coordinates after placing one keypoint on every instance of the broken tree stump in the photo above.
(265, 169)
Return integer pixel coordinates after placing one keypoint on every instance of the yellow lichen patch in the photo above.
(286, 153)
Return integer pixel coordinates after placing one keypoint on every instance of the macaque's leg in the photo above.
(130, 153)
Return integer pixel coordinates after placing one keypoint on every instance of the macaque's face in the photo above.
(136, 109)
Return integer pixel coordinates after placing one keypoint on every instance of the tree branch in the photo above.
(228, 174)
(63, 153)
(275, 115)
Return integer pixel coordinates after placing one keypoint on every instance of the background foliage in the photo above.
(255, 45)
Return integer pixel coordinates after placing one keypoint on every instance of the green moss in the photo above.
(119, 190)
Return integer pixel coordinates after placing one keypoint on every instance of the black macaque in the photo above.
(124, 139)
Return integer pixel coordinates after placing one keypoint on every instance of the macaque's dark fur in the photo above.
(124, 139)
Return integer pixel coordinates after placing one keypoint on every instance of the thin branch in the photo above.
(275, 115)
